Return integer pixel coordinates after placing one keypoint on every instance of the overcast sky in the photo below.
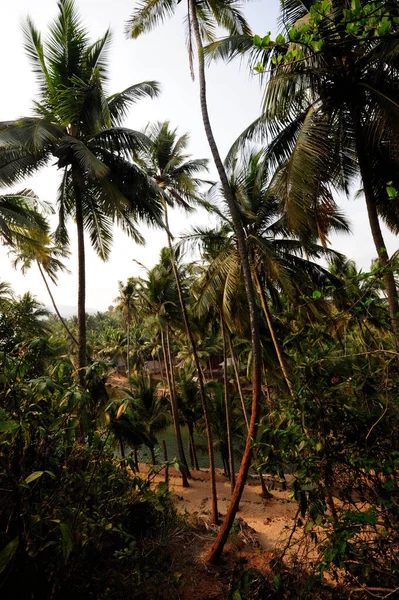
(234, 101)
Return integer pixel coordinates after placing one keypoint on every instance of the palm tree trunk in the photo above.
(57, 312)
(161, 369)
(273, 335)
(172, 392)
(82, 357)
(217, 548)
(214, 509)
(383, 257)
(265, 491)
(192, 443)
(238, 382)
(227, 405)
(128, 353)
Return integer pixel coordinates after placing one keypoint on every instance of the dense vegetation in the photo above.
(270, 347)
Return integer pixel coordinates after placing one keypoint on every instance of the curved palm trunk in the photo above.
(214, 509)
(265, 491)
(227, 406)
(57, 312)
(217, 548)
(383, 257)
(167, 354)
(238, 382)
(82, 356)
(273, 334)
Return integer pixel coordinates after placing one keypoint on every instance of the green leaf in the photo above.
(8, 553)
(67, 541)
(257, 41)
(316, 294)
(33, 476)
(8, 426)
(280, 39)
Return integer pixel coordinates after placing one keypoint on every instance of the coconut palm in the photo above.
(202, 20)
(149, 409)
(21, 221)
(280, 260)
(174, 172)
(159, 299)
(78, 125)
(126, 303)
(333, 114)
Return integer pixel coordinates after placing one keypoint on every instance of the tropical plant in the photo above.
(330, 110)
(76, 124)
(202, 21)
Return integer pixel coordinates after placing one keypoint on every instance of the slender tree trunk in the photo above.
(238, 382)
(217, 548)
(382, 253)
(57, 312)
(173, 403)
(193, 450)
(214, 509)
(153, 459)
(128, 353)
(82, 357)
(161, 369)
(227, 406)
(165, 457)
(273, 335)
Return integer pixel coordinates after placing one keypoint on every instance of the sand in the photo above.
(272, 520)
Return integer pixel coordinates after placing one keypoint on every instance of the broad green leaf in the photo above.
(8, 426)
(316, 294)
(8, 553)
(67, 541)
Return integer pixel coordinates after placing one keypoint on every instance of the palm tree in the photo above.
(159, 299)
(21, 222)
(149, 410)
(202, 20)
(280, 261)
(76, 124)
(333, 114)
(126, 304)
(173, 171)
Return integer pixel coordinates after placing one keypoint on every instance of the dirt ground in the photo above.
(272, 520)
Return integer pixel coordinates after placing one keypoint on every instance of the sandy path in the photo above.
(271, 519)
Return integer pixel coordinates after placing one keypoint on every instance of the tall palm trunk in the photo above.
(82, 356)
(214, 509)
(128, 351)
(192, 446)
(383, 257)
(227, 405)
(238, 382)
(57, 312)
(173, 403)
(217, 548)
(265, 491)
(276, 344)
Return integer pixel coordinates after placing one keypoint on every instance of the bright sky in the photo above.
(234, 101)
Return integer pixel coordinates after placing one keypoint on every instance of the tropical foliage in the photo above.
(253, 340)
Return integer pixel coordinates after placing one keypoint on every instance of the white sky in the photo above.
(234, 101)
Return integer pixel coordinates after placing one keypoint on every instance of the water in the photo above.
(171, 446)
